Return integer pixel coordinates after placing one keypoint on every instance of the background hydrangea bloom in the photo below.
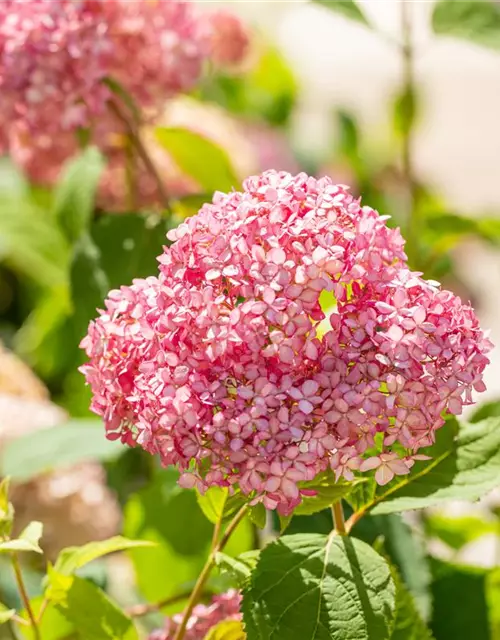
(217, 365)
(225, 606)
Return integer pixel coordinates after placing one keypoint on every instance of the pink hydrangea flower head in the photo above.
(56, 55)
(225, 606)
(219, 367)
(228, 38)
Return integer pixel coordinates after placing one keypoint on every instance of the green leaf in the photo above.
(475, 20)
(405, 548)
(6, 509)
(493, 601)
(75, 194)
(31, 244)
(93, 614)
(190, 205)
(89, 283)
(258, 515)
(408, 624)
(314, 587)
(459, 531)
(128, 245)
(460, 605)
(465, 469)
(6, 613)
(328, 492)
(73, 558)
(240, 567)
(347, 8)
(53, 625)
(199, 158)
(486, 410)
(226, 630)
(217, 504)
(27, 541)
(64, 445)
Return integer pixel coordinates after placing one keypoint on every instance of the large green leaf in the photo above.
(199, 158)
(75, 194)
(53, 625)
(474, 20)
(47, 449)
(347, 8)
(93, 614)
(241, 567)
(27, 541)
(73, 558)
(462, 469)
(314, 587)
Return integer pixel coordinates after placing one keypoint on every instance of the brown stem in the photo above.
(24, 595)
(205, 572)
(135, 138)
(140, 610)
(338, 518)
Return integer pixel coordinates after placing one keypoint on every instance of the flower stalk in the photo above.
(24, 596)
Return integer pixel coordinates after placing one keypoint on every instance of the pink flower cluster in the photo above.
(219, 364)
(56, 56)
(225, 606)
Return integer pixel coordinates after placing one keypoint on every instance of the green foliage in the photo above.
(405, 111)
(347, 8)
(75, 193)
(73, 558)
(91, 612)
(6, 508)
(408, 625)
(240, 567)
(474, 20)
(321, 587)
(456, 532)
(199, 158)
(328, 492)
(460, 603)
(5, 613)
(226, 630)
(218, 505)
(486, 410)
(27, 540)
(465, 469)
(70, 443)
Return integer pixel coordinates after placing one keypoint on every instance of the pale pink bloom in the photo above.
(225, 606)
(215, 364)
(228, 38)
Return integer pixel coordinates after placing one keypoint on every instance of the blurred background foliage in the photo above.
(62, 250)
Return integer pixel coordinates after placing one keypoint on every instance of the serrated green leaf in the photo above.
(27, 541)
(199, 157)
(284, 522)
(314, 587)
(258, 515)
(6, 613)
(226, 630)
(218, 505)
(93, 614)
(67, 444)
(486, 410)
(346, 8)
(75, 194)
(328, 492)
(475, 20)
(462, 469)
(73, 558)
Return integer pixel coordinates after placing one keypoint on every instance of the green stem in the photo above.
(24, 595)
(205, 572)
(338, 518)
